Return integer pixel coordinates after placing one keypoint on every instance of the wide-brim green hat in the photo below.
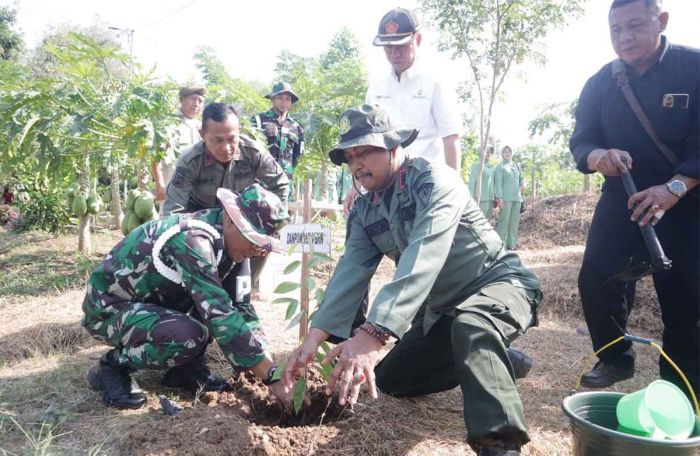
(368, 125)
(282, 87)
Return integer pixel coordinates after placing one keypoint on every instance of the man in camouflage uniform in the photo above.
(186, 134)
(224, 158)
(172, 286)
(285, 136)
(456, 301)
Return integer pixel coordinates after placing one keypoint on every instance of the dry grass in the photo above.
(47, 408)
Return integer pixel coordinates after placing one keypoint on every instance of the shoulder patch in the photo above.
(423, 192)
(180, 177)
(377, 228)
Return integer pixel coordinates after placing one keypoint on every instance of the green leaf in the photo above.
(278, 372)
(291, 267)
(291, 249)
(320, 294)
(286, 287)
(326, 370)
(291, 308)
(318, 258)
(325, 347)
(299, 394)
(295, 321)
(283, 300)
(310, 283)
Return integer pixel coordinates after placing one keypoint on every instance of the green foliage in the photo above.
(42, 209)
(299, 394)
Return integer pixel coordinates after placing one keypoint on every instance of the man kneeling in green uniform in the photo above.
(457, 299)
(172, 286)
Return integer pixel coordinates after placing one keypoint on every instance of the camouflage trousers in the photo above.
(146, 336)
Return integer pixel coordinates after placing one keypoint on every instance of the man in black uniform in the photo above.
(609, 138)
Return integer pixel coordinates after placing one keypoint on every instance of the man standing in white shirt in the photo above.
(413, 95)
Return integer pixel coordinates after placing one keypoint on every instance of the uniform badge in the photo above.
(180, 177)
(344, 125)
(391, 28)
(423, 192)
(675, 100)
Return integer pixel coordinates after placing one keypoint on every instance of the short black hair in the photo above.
(654, 5)
(218, 112)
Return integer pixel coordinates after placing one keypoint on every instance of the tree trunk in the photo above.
(84, 244)
(323, 191)
(117, 214)
(586, 183)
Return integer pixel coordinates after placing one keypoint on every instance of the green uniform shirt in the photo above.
(487, 192)
(129, 274)
(507, 180)
(444, 249)
(198, 175)
(285, 139)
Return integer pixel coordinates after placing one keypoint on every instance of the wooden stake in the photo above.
(304, 298)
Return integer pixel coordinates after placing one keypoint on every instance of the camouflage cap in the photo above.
(192, 90)
(257, 213)
(282, 87)
(368, 125)
(396, 28)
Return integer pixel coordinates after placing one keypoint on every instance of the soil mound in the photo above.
(557, 221)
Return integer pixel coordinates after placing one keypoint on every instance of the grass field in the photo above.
(46, 406)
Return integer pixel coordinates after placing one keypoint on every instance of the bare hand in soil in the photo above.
(283, 393)
(356, 357)
(303, 355)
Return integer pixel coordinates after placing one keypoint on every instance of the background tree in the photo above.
(10, 41)
(493, 37)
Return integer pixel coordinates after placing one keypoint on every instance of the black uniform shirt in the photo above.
(668, 93)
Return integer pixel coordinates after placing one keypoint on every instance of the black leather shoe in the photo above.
(520, 361)
(606, 374)
(195, 376)
(118, 389)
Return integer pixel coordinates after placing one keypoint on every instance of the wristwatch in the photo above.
(270, 377)
(677, 188)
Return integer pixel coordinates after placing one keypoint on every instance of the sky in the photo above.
(248, 36)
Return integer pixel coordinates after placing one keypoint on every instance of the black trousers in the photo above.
(613, 240)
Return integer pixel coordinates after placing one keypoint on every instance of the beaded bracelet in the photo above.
(381, 334)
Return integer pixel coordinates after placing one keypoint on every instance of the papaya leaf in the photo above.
(299, 394)
(286, 287)
(291, 267)
(291, 308)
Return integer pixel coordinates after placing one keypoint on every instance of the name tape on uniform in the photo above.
(307, 238)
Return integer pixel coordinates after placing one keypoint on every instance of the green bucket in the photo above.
(594, 430)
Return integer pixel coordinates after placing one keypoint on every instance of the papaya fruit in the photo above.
(94, 204)
(133, 222)
(73, 189)
(131, 199)
(79, 206)
(125, 221)
(144, 206)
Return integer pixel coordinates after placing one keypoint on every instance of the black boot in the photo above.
(113, 380)
(520, 361)
(606, 374)
(194, 376)
(496, 447)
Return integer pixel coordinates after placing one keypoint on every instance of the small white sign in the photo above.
(310, 237)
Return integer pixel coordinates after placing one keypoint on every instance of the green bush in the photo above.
(43, 210)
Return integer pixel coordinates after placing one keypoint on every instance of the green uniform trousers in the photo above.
(487, 208)
(509, 222)
(468, 350)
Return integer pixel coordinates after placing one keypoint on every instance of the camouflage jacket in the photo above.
(198, 175)
(285, 139)
(128, 273)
